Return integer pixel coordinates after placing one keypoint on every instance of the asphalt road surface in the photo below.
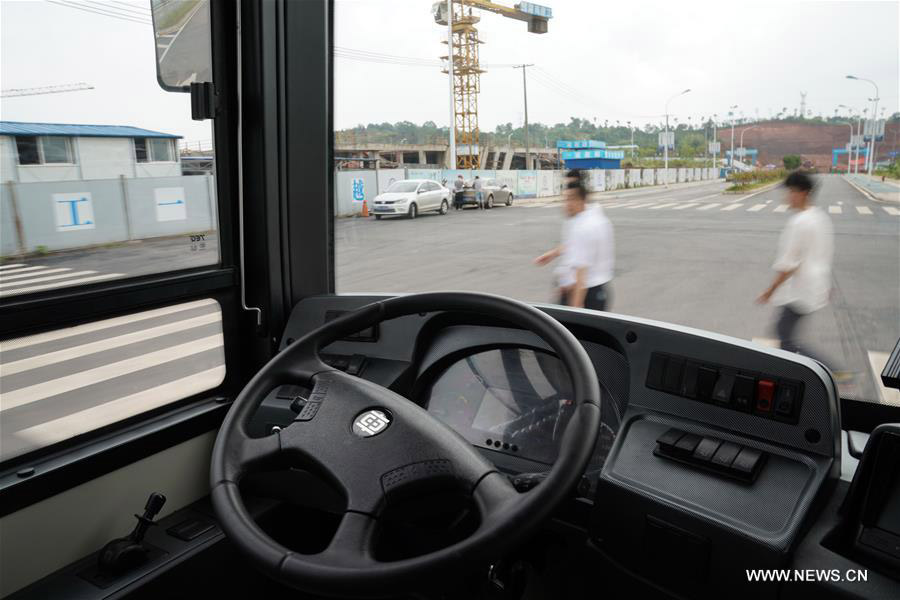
(689, 255)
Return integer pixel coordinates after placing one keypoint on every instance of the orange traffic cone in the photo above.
(365, 209)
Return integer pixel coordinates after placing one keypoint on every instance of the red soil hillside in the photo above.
(814, 143)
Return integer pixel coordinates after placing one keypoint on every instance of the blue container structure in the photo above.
(589, 154)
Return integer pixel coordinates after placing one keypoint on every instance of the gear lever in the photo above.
(123, 554)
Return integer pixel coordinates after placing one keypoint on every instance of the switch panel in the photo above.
(710, 454)
(727, 387)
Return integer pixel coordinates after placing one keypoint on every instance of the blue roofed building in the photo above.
(589, 154)
(43, 152)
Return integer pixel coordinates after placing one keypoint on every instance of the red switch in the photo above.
(765, 395)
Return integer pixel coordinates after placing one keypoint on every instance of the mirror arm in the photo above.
(204, 101)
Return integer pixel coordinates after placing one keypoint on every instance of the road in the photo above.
(690, 255)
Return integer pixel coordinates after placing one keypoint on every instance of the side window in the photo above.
(92, 183)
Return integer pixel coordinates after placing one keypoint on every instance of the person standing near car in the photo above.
(586, 252)
(476, 185)
(458, 186)
(802, 283)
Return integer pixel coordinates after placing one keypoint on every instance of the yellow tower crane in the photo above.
(464, 66)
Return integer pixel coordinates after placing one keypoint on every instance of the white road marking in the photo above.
(60, 334)
(863, 210)
(663, 205)
(877, 360)
(614, 205)
(768, 342)
(641, 205)
(841, 202)
(756, 208)
(20, 275)
(5, 283)
(47, 286)
(835, 210)
(13, 266)
(35, 362)
(732, 206)
(688, 205)
(781, 208)
(68, 383)
(23, 269)
(709, 206)
(891, 210)
(63, 428)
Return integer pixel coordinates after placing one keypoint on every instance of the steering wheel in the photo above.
(376, 446)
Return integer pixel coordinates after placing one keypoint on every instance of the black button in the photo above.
(746, 462)
(298, 404)
(687, 444)
(706, 448)
(308, 411)
(725, 454)
(706, 381)
(656, 371)
(355, 365)
(722, 389)
(743, 392)
(689, 381)
(786, 399)
(672, 378)
(669, 438)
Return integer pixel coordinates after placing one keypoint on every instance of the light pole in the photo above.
(525, 94)
(743, 131)
(870, 159)
(452, 148)
(731, 158)
(715, 140)
(850, 124)
(632, 140)
(666, 140)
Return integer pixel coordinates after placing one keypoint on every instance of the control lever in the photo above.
(123, 554)
(525, 481)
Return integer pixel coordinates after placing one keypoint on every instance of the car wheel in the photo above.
(377, 217)
(509, 200)
(444, 207)
(413, 211)
(490, 202)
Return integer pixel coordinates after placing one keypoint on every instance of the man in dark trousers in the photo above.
(586, 252)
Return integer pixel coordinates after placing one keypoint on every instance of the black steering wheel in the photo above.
(376, 445)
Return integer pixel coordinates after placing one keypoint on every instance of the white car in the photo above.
(410, 197)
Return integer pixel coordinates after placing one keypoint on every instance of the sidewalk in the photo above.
(620, 193)
(885, 191)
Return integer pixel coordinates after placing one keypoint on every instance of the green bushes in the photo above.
(747, 180)
(792, 161)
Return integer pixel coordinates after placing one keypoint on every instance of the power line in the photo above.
(49, 89)
(134, 7)
(105, 6)
(99, 12)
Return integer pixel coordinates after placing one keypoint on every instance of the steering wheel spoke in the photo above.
(494, 495)
(353, 542)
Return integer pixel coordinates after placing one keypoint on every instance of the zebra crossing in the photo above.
(20, 278)
(739, 206)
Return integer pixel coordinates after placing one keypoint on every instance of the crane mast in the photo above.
(466, 72)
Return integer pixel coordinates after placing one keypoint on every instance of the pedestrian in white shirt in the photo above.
(802, 283)
(586, 252)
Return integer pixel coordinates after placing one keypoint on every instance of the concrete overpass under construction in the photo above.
(363, 154)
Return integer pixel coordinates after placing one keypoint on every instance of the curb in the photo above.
(757, 192)
(867, 193)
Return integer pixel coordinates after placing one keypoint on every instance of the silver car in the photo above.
(410, 197)
(495, 192)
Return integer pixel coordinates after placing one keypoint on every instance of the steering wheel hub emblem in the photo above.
(371, 422)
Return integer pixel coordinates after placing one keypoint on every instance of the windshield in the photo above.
(400, 187)
(682, 138)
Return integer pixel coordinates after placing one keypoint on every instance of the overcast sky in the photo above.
(603, 60)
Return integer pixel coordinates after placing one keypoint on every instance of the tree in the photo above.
(792, 161)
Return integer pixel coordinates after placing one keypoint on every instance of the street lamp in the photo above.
(632, 140)
(743, 131)
(731, 114)
(666, 140)
(870, 159)
(850, 149)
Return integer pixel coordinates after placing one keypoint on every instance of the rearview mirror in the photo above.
(181, 30)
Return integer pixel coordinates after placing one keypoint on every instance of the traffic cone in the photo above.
(365, 209)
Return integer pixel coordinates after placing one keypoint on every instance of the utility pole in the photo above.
(666, 140)
(731, 158)
(452, 157)
(525, 96)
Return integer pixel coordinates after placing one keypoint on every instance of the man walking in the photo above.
(586, 252)
(458, 186)
(802, 281)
